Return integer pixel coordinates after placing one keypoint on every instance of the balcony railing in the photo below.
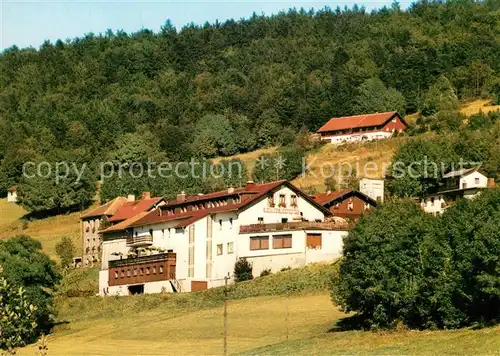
(143, 259)
(299, 225)
(143, 240)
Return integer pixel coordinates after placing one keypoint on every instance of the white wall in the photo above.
(357, 137)
(229, 233)
(374, 188)
(470, 180)
(431, 207)
(274, 215)
(12, 197)
(331, 246)
(296, 256)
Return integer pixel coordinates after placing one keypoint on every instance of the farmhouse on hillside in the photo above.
(12, 194)
(464, 183)
(362, 127)
(192, 243)
(347, 203)
(113, 212)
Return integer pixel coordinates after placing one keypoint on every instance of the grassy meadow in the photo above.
(289, 312)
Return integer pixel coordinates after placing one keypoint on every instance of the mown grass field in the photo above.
(48, 231)
(286, 313)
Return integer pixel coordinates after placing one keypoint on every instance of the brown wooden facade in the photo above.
(351, 205)
(144, 269)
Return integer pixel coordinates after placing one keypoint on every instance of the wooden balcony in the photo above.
(137, 241)
(159, 257)
(299, 225)
(145, 269)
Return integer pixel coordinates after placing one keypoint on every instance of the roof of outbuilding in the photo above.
(461, 172)
(106, 209)
(132, 208)
(358, 121)
(325, 198)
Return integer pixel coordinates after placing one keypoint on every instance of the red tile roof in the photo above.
(325, 198)
(125, 223)
(357, 121)
(107, 209)
(130, 209)
(249, 194)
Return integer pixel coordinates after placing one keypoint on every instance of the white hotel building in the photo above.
(192, 243)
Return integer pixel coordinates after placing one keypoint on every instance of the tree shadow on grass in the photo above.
(39, 215)
(350, 323)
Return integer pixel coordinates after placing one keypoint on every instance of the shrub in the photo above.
(403, 266)
(65, 249)
(25, 265)
(266, 272)
(242, 270)
(17, 316)
(384, 270)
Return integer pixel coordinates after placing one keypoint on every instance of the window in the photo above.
(220, 224)
(136, 233)
(151, 232)
(116, 274)
(350, 204)
(270, 201)
(231, 222)
(313, 240)
(229, 248)
(432, 201)
(141, 271)
(260, 220)
(293, 201)
(284, 220)
(282, 201)
(160, 269)
(162, 232)
(464, 185)
(123, 273)
(219, 249)
(148, 270)
(128, 273)
(135, 271)
(282, 241)
(476, 180)
(154, 269)
(259, 242)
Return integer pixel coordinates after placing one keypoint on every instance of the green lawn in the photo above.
(286, 313)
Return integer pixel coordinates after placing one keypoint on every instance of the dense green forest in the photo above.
(224, 88)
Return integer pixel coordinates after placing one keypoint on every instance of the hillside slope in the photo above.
(289, 312)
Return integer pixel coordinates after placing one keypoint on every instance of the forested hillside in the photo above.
(224, 88)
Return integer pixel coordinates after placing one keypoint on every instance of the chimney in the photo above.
(230, 190)
(181, 197)
(491, 183)
(146, 195)
(131, 197)
(250, 185)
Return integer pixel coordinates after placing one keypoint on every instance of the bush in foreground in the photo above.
(402, 265)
